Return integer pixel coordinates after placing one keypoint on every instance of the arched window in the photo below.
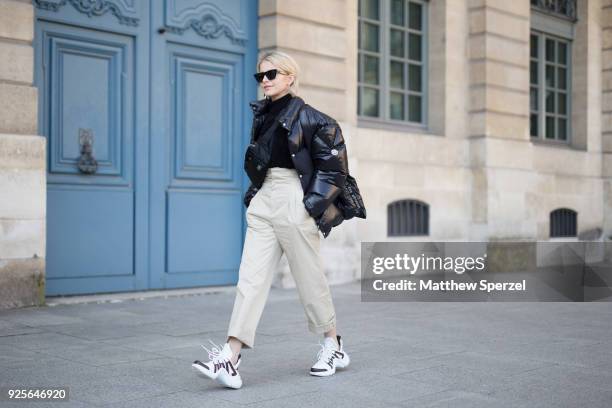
(563, 223)
(407, 217)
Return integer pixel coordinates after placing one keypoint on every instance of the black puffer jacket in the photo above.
(319, 155)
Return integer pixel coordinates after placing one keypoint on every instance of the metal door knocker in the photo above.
(87, 163)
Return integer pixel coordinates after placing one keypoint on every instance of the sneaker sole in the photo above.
(344, 362)
(222, 379)
(323, 373)
(201, 371)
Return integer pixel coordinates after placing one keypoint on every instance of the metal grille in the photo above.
(563, 223)
(565, 8)
(407, 217)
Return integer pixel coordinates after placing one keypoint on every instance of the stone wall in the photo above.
(572, 176)
(431, 166)
(480, 172)
(22, 163)
(606, 127)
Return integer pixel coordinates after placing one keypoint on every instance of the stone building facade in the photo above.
(474, 162)
(22, 163)
(471, 164)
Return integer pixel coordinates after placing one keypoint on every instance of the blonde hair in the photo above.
(286, 65)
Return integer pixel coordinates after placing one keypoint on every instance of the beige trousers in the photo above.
(277, 223)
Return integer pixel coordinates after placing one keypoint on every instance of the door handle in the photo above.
(87, 163)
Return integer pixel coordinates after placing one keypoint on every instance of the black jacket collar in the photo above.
(287, 116)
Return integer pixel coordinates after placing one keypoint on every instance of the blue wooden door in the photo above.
(144, 105)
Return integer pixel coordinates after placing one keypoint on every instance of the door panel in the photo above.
(90, 228)
(204, 235)
(88, 89)
(201, 239)
(198, 107)
(203, 111)
(93, 240)
(86, 75)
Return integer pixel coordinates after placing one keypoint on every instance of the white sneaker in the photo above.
(330, 357)
(220, 367)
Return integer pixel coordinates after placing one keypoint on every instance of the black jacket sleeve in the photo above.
(329, 158)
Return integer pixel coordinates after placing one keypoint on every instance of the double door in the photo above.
(144, 104)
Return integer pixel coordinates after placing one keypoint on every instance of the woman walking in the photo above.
(290, 200)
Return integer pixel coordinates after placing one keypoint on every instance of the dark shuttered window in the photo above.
(563, 223)
(407, 218)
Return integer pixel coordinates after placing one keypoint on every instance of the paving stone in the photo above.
(112, 389)
(8, 328)
(100, 354)
(89, 331)
(457, 399)
(178, 399)
(153, 342)
(43, 341)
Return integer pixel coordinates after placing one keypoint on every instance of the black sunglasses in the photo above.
(271, 74)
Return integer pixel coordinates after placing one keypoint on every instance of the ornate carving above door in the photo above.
(206, 19)
(119, 8)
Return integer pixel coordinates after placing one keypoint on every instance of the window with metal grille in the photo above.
(561, 8)
(563, 223)
(407, 217)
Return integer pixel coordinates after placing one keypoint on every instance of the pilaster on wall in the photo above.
(454, 27)
(499, 69)
(586, 77)
(498, 52)
(323, 44)
(22, 163)
(606, 130)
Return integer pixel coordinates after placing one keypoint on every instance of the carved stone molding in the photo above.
(207, 20)
(94, 8)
